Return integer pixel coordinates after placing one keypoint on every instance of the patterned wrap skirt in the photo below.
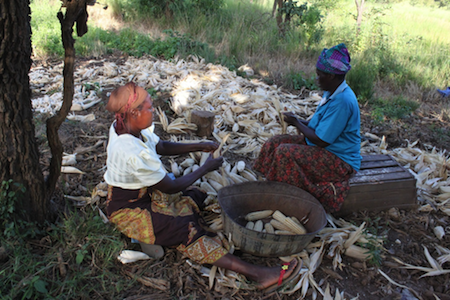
(153, 217)
(287, 158)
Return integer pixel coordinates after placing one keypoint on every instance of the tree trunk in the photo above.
(360, 10)
(19, 153)
(204, 121)
(75, 13)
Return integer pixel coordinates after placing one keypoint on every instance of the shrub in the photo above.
(299, 80)
(361, 79)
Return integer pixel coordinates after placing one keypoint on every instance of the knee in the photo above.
(283, 150)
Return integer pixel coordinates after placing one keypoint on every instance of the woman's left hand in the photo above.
(208, 146)
(290, 118)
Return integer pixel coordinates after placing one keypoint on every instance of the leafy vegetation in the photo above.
(299, 80)
(398, 42)
(73, 257)
(395, 109)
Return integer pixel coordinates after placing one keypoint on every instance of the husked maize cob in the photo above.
(357, 252)
(258, 226)
(207, 187)
(217, 186)
(248, 175)
(269, 228)
(258, 215)
(250, 225)
(278, 225)
(297, 228)
(296, 220)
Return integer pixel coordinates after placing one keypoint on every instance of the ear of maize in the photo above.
(269, 228)
(258, 215)
(288, 222)
(357, 252)
(250, 225)
(295, 220)
(258, 226)
(278, 225)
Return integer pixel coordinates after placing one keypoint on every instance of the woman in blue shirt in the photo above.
(326, 152)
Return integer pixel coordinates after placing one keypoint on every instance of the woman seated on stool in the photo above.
(151, 207)
(326, 152)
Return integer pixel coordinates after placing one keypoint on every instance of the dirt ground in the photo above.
(407, 233)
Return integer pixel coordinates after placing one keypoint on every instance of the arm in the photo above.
(302, 128)
(169, 186)
(170, 148)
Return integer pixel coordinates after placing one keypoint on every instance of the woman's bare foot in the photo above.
(269, 276)
(263, 276)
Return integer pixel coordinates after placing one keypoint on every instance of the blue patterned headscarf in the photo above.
(335, 60)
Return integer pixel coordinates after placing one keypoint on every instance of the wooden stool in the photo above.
(380, 184)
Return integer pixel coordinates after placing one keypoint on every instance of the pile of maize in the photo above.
(276, 222)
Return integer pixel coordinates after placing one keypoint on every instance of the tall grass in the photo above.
(71, 259)
(409, 43)
(399, 44)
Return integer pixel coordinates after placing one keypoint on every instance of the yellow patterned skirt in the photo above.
(153, 217)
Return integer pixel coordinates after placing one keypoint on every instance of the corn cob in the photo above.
(207, 187)
(357, 252)
(240, 165)
(258, 226)
(297, 228)
(187, 171)
(250, 225)
(214, 175)
(248, 175)
(203, 158)
(269, 228)
(188, 162)
(236, 178)
(257, 215)
(296, 220)
(279, 226)
(217, 186)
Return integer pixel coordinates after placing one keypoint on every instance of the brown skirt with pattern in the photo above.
(153, 217)
(287, 158)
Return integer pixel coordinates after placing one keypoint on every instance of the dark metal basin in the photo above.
(239, 199)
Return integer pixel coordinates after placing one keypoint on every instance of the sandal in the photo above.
(282, 281)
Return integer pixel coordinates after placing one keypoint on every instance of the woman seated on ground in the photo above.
(151, 207)
(326, 152)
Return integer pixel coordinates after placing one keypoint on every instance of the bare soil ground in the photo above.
(407, 232)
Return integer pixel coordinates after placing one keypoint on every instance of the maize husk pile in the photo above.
(247, 114)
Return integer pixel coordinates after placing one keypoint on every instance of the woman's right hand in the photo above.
(212, 164)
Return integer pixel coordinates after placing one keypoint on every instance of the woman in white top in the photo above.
(151, 207)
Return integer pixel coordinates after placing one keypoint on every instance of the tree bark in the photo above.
(360, 10)
(19, 153)
(280, 16)
(204, 121)
(75, 12)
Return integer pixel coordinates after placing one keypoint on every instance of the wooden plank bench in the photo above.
(380, 184)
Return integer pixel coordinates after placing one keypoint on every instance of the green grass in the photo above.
(412, 42)
(46, 30)
(397, 44)
(71, 259)
(394, 109)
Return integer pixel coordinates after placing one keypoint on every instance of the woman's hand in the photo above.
(208, 146)
(212, 164)
(169, 186)
(290, 118)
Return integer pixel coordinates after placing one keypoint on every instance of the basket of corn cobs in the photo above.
(268, 218)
